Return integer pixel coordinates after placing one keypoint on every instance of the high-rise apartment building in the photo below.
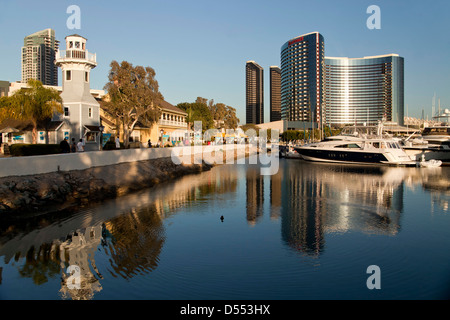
(275, 93)
(254, 74)
(364, 90)
(302, 76)
(38, 57)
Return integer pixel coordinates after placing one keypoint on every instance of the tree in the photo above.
(197, 111)
(223, 115)
(230, 118)
(133, 96)
(210, 114)
(34, 103)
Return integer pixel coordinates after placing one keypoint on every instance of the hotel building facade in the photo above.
(364, 90)
(302, 78)
(254, 75)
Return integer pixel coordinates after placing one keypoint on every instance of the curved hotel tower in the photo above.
(302, 70)
(364, 90)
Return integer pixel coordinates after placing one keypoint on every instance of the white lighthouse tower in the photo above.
(81, 111)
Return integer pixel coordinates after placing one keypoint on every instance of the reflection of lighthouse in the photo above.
(81, 110)
(78, 253)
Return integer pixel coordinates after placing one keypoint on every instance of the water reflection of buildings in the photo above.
(439, 188)
(319, 199)
(311, 200)
(301, 218)
(275, 196)
(255, 195)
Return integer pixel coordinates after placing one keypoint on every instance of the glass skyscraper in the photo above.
(254, 75)
(364, 90)
(302, 78)
(275, 93)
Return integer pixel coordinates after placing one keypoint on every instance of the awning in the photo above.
(93, 128)
(9, 130)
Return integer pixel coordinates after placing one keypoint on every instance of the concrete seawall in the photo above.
(35, 185)
(21, 166)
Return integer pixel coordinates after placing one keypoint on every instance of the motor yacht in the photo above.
(360, 145)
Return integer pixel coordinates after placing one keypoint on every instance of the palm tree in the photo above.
(34, 103)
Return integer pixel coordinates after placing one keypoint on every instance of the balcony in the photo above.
(76, 56)
(172, 123)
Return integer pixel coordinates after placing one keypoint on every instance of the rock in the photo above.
(19, 194)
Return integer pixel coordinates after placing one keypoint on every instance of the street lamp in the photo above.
(101, 128)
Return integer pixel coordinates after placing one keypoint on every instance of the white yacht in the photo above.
(433, 143)
(421, 148)
(363, 144)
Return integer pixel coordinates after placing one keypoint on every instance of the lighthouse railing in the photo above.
(76, 54)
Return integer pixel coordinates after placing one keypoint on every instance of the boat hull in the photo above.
(429, 153)
(348, 156)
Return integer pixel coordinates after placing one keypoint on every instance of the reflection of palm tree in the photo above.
(40, 265)
(138, 241)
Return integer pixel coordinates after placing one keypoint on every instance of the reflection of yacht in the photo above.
(360, 145)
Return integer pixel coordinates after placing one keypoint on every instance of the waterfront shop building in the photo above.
(81, 115)
(171, 127)
(19, 131)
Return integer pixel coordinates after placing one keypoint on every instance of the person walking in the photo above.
(80, 146)
(73, 146)
(64, 145)
(117, 143)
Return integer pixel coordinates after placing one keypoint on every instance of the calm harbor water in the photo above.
(308, 232)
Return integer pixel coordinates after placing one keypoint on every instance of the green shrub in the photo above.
(22, 149)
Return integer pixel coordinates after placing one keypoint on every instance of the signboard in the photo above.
(296, 40)
(105, 138)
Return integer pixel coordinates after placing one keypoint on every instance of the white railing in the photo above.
(76, 54)
(172, 123)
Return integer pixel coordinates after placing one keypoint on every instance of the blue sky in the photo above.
(199, 48)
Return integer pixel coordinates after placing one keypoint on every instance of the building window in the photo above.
(66, 112)
(66, 134)
(86, 76)
(90, 112)
(68, 75)
(91, 136)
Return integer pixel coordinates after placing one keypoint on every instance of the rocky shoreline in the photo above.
(25, 196)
